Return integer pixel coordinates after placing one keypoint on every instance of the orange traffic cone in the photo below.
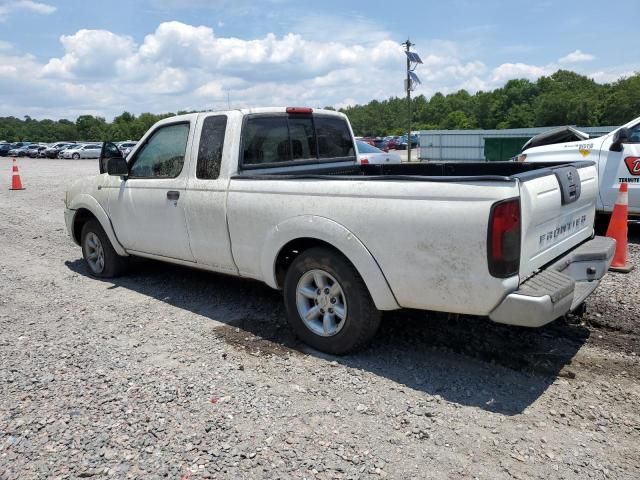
(618, 231)
(16, 184)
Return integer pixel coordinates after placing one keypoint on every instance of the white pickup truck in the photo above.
(277, 195)
(617, 157)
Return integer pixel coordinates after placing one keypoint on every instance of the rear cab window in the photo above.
(281, 139)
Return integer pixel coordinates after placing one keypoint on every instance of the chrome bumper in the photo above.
(559, 288)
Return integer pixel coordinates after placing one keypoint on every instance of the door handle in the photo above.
(173, 195)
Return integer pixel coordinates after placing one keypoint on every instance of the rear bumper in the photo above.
(559, 288)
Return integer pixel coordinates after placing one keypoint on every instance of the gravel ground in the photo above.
(175, 373)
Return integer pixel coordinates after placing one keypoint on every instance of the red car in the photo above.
(381, 143)
(392, 143)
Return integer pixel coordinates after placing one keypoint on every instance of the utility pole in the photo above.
(413, 59)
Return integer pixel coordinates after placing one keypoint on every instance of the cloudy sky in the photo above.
(60, 59)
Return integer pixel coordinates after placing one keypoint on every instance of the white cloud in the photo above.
(90, 53)
(182, 67)
(508, 71)
(576, 56)
(613, 74)
(8, 7)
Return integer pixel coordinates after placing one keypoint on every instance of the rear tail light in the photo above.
(520, 158)
(504, 238)
(364, 161)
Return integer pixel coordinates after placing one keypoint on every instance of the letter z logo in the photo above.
(633, 164)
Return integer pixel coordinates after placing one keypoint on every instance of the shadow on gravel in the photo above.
(438, 354)
(633, 229)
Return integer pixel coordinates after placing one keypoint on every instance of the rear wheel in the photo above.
(328, 304)
(102, 259)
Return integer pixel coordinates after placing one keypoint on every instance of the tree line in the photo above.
(563, 98)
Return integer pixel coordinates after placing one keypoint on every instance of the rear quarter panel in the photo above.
(429, 238)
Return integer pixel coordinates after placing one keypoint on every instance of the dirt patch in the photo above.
(263, 342)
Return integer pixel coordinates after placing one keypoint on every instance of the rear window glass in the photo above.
(289, 138)
(334, 137)
(303, 138)
(364, 147)
(266, 140)
(210, 148)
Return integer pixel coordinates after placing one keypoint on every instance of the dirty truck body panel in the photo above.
(453, 238)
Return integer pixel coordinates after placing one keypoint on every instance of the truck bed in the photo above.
(412, 210)
(432, 172)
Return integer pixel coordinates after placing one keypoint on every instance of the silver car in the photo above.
(368, 154)
(89, 150)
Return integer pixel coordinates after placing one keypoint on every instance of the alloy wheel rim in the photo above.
(95, 252)
(321, 303)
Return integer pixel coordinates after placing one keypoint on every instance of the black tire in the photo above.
(362, 318)
(114, 264)
(76, 156)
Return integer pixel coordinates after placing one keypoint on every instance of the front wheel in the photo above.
(328, 304)
(76, 156)
(102, 259)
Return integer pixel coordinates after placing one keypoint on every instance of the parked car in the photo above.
(89, 150)
(392, 142)
(372, 155)
(22, 151)
(617, 156)
(4, 149)
(122, 146)
(126, 147)
(402, 142)
(37, 151)
(256, 198)
(32, 150)
(53, 150)
(381, 144)
(68, 147)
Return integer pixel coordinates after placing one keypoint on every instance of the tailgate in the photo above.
(558, 210)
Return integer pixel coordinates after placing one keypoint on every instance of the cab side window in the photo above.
(210, 148)
(634, 136)
(162, 156)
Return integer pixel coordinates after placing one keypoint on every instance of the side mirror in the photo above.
(117, 166)
(622, 136)
(109, 150)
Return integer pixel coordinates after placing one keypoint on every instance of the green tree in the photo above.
(622, 102)
(563, 98)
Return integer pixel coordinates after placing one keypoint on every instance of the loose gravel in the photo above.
(174, 373)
